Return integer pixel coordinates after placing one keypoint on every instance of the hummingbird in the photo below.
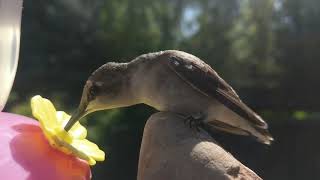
(172, 81)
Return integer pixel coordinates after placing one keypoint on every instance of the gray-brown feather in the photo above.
(204, 79)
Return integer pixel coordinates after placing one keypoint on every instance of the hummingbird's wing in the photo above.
(204, 79)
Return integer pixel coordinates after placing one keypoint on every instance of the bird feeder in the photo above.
(25, 152)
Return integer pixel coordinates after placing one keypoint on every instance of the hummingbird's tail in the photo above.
(222, 118)
(261, 135)
(265, 137)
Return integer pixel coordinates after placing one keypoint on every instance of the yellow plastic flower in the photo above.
(74, 142)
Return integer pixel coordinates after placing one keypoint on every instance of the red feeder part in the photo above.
(26, 154)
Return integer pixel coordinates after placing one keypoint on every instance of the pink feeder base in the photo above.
(26, 155)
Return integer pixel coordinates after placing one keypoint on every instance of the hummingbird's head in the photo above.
(107, 88)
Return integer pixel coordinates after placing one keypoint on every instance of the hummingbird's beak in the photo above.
(76, 116)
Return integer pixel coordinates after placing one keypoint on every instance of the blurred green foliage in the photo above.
(268, 50)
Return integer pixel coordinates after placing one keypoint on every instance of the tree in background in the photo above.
(267, 50)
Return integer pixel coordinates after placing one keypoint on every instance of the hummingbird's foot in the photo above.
(195, 121)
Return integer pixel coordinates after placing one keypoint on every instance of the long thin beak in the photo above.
(76, 116)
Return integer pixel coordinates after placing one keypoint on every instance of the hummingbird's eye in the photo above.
(93, 91)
